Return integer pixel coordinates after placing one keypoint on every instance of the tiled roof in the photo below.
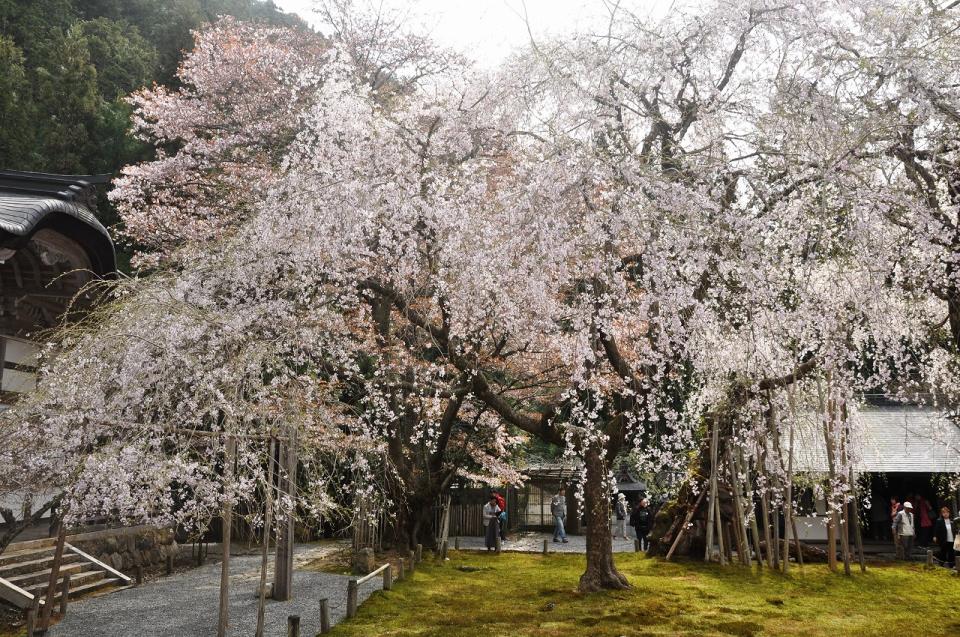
(897, 439)
(20, 213)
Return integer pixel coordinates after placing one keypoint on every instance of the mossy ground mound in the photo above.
(532, 595)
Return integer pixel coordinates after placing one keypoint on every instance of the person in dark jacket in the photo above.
(943, 535)
(641, 520)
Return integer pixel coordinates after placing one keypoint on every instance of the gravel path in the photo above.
(185, 604)
(533, 543)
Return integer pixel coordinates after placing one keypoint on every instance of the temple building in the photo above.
(51, 247)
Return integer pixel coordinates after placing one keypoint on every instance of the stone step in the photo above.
(44, 542)
(25, 579)
(96, 585)
(8, 556)
(29, 566)
(78, 581)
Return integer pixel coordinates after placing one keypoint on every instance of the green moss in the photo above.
(527, 595)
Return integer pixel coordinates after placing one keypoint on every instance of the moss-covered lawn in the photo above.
(534, 595)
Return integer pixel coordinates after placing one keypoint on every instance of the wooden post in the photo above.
(265, 550)
(33, 613)
(388, 578)
(456, 543)
(64, 595)
(352, 598)
(223, 620)
(929, 558)
(283, 566)
(400, 574)
(413, 562)
(419, 553)
(293, 626)
(54, 574)
(544, 547)
(796, 539)
(140, 575)
(325, 616)
(169, 563)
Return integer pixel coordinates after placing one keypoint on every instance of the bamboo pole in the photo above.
(223, 621)
(857, 536)
(742, 542)
(265, 550)
(680, 531)
(712, 508)
(788, 523)
(719, 522)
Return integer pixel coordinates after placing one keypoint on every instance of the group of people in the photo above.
(908, 527)
(495, 520)
(640, 518)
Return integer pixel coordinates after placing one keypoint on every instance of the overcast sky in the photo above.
(488, 29)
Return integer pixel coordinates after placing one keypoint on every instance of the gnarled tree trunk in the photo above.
(601, 573)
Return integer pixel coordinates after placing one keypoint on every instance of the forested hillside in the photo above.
(66, 66)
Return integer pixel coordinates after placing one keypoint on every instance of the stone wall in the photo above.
(125, 549)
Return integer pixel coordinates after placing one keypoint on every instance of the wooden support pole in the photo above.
(419, 553)
(170, 563)
(796, 540)
(293, 626)
(64, 595)
(140, 575)
(54, 574)
(456, 543)
(857, 535)
(401, 575)
(496, 542)
(265, 549)
(388, 578)
(718, 520)
(33, 613)
(683, 527)
(283, 566)
(743, 546)
(929, 558)
(352, 594)
(413, 562)
(544, 547)
(324, 616)
(223, 621)
(711, 506)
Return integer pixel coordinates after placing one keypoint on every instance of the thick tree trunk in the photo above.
(600, 572)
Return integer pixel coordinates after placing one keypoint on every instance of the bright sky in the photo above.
(488, 29)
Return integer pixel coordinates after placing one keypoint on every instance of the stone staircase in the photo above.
(25, 572)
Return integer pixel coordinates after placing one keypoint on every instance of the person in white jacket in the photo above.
(903, 530)
(491, 521)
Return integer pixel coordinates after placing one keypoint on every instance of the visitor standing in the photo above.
(879, 521)
(640, 521)
(943, 535)
(924, 515)
(502, 518)
(491, 517)
(894, 510)
(903, 530)
(621, 511)
(558, 508)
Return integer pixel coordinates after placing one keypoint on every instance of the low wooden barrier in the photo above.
(353, 587)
